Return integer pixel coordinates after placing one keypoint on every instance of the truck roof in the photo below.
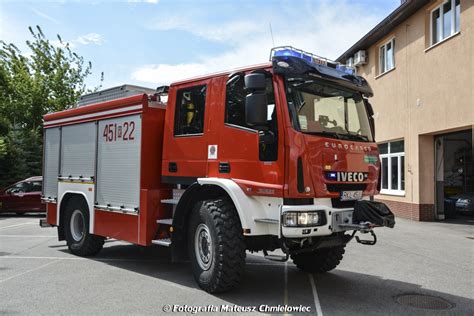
(98, 109)
(221, 73)
(113, 93)
(103, 104)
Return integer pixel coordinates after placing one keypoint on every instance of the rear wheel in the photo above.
(216, 245)
(319, 261)
(79, 241)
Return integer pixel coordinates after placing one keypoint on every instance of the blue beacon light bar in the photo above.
(291, 51)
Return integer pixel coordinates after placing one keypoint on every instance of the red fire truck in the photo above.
(274, 156)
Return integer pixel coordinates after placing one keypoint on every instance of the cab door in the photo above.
(246, 154)
(185, 141)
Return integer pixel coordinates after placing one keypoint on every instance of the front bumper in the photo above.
(334, 218)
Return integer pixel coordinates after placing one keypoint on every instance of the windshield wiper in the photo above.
(326, 133)
(361, 137)
(339, 135)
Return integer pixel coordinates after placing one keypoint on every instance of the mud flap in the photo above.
(374, 212)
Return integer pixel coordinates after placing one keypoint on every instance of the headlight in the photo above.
(295, 219)
(289, 219)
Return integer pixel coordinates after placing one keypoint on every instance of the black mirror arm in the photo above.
(266, 136)
(234, 77)
(370, 113)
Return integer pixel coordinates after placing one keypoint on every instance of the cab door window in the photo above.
(34, 186)
(235, 116)
(189, 115)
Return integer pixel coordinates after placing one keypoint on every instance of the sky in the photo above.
(156, 42)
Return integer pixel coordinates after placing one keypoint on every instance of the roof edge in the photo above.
(396, 17)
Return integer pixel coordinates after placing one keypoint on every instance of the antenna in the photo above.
(271, 33)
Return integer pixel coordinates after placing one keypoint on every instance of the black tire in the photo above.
(319, 261)
(87, 244)
(227, 261)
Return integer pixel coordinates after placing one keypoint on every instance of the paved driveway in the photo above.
(39, 276)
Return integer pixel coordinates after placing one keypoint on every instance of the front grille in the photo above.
(338, 187)
(336, 203)
(298, 201)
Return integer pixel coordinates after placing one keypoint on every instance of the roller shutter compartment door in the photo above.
(51, 162)
(78, 145)
(118, 164)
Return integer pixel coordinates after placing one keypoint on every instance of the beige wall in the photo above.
(430, 91)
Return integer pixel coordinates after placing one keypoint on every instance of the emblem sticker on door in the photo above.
(212, 152)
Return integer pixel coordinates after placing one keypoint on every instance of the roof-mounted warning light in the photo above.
(309, 57)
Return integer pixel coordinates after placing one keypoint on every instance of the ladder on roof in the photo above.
(113, 93)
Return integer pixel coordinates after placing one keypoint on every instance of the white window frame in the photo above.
(389, 157)
(453, 22)
(384, 46)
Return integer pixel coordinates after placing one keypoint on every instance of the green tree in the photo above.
(50, 78)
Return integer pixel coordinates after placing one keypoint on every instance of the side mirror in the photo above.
(256, 103)
(370, 113)
(256, 109)
(255, 81)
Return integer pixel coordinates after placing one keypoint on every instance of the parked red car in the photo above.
(23, 197)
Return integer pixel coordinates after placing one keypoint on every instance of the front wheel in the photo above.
(216, 245)
(319, 261)
(79, 241)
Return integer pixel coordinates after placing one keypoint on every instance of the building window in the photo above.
(445, 20)
(392, 157)
(387, 56)
(189, 115)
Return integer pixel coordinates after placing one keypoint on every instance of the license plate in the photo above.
(351, 195)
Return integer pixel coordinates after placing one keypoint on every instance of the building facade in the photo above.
(420, 63)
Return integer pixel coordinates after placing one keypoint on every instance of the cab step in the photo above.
(279, 258)
(165, 221)
(162, 242)
(170, 201)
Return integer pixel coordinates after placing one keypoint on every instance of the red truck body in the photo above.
(282, 183)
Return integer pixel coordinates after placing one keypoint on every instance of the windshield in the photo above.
(319, 108)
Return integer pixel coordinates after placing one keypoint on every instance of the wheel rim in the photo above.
(78, 226)
(203, 247)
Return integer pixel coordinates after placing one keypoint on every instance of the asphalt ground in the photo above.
(39, 276)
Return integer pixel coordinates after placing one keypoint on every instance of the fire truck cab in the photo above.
(274, 156)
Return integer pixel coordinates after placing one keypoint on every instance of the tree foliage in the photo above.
(48, 78)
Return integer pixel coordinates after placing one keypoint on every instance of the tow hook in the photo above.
(363, 228)
(366, 241)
